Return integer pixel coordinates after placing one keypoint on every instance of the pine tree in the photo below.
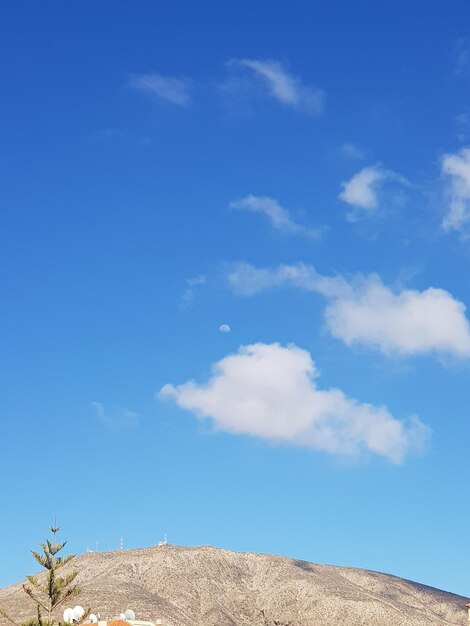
(48, 590)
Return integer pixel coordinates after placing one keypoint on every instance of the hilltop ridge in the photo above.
(207, 586)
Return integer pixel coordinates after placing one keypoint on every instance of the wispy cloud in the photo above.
(279, 217)
(287, 89)
(120, 418)
(270, 391)
(456, 169)
(191, 284)
(462, 123)
(106, 134)
(461, 54)
(166, 88)
(351, 151)
(364, 190)
(365, 311)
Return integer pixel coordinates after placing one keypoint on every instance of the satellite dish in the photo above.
(69, 616)
(129, 614)
(78, 612)
(93, 619)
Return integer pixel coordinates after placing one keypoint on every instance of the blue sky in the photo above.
(300, 174)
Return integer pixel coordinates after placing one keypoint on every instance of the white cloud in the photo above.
(365, 311)
(408, 322)
(462, 125)
(172, 90)
(351, 151)
(462, 56)
(363, 190)
(270, 391)
(359, 190)
(248, 280)
(287, 89)
(457, 169)
(191, 284)
(278, 216)
(120, 418)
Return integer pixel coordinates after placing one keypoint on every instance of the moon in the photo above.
(224, 328)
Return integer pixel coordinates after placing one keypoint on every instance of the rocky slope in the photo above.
(205, 586)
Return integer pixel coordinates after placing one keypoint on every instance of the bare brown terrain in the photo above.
(205, 586)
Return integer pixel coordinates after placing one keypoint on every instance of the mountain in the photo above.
(205, 586)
